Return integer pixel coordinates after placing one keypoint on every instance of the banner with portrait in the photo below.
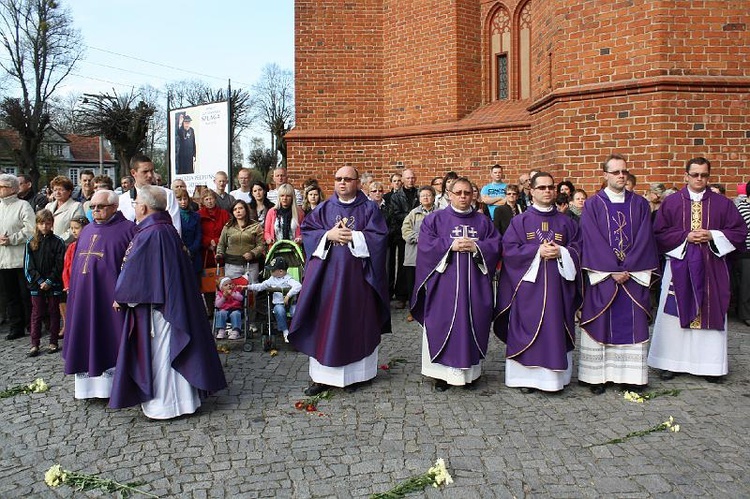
(199, 143)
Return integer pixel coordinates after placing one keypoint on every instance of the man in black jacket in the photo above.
(401, 203)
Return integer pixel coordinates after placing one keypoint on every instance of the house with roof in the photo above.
(60, 154)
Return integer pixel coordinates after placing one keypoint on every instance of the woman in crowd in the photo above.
(64, 208)
(259, 202)
(442, 200)
(284, 220)
(213, 220)
(410, 233)
(191, 231)
(566, 187)
(241, 243)
(654, 196)
(576, 204)
(476, 202)
(312, 198)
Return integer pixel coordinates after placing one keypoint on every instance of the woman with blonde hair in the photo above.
(284, 220)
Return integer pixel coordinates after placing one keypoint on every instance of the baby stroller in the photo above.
(295, 260)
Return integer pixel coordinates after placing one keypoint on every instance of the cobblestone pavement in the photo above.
(250, 441)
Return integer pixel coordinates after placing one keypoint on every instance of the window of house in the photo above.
(73, 174)
(10, 169)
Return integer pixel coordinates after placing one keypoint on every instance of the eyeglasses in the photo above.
(344, 179)
(545, 187)
(436, 183)
(511, 194)
(376, 190)
(619, 172)
(463, 193)
(99, 206)
(698, 175)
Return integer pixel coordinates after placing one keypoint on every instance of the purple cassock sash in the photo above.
(93, 327)
(455, 303)
(700, 281)
(617, 237)
(343, 306)
(157, 271)
(536, 320)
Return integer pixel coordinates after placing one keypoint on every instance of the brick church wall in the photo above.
(388, 84)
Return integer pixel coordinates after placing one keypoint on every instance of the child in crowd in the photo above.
(43, 265)
(284, 288)
(76, 226)
(228, 304)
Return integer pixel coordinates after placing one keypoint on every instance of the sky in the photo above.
(136, 42)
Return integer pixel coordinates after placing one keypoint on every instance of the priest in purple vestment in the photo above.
(167, 359)
(696, 229)
(93, 326)
(619, 259)
(539, 293)
(453, 299)
(343, 305)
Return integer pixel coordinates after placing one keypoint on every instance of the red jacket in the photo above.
(212, 221)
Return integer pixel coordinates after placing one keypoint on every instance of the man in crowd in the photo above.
(344, 238)
(457, 253)
(167, 360)
(244, 177)
(93, 326)
(696, 229)
(17, 223)
(620, 260)
(539, 293)
(85, 188)
(142, 170)
(126, 183)
(396, 184)
(281, 177)
(493, 194)
(25, 192)
(524, 195)
(401, 203)
(224, 200)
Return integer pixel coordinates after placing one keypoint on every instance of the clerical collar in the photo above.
(614, 196)
(696, 196)
(542, 209)
(349, 201)
(463, 212)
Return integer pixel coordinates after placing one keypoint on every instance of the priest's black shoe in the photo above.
(718, 380)
(598, 389)
(316, 389)
(666, 375)
(441, 385)
(526, 389)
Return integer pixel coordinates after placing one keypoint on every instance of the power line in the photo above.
(162, 65)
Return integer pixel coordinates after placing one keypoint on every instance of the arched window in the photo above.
(501, 51)
(510, 53)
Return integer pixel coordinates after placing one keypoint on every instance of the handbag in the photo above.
(210, 276)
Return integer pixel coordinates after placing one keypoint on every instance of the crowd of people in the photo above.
(532, 262)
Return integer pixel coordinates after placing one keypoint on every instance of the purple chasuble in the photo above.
(343, 306)
(700, 281)
(617, 237)
(157, 271)
(92, 327)
(455, 302)
(537, 319)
